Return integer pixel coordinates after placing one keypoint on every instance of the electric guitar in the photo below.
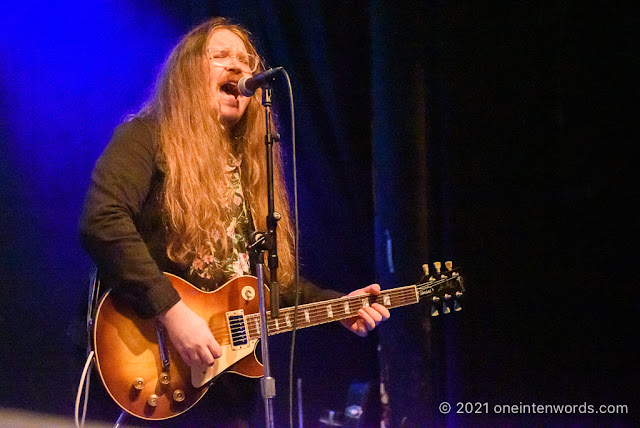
(145, 375)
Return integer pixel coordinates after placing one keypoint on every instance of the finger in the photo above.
(360, 328)
(206, 357)
(215, 349)
(190, 357)
(369, 323)
(373, 289)
(374, 314)
(381, 310)
(356, 325)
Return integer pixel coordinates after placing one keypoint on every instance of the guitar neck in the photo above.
(312, 314)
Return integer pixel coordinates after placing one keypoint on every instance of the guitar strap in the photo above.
(92, 305)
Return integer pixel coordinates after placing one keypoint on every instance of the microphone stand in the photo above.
(262, 242)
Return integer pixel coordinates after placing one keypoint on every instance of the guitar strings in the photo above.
(317, 313)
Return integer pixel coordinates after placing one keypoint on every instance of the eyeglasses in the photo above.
(222, 57)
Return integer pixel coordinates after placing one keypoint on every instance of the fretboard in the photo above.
(327, 311)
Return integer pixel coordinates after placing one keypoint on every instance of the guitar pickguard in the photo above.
(203, 374)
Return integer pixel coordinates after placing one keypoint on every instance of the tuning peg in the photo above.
(445, 309)
(434, 311)
(434, 306)
(438, 266)
(456, 306)
(448, 264)
(425, 269)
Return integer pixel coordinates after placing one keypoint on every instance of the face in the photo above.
(226, 57)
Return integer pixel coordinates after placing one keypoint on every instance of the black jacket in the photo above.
(122, 228)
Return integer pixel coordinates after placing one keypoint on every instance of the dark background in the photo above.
(497, 135)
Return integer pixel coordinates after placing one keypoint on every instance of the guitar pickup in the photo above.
(237, 327)
(162, 346)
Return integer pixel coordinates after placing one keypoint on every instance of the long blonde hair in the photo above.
(196, 148)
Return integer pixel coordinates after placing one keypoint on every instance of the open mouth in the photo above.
(230, 88)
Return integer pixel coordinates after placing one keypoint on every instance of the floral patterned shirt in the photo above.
(207, 264)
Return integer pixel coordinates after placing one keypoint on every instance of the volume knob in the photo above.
(178, 395)
(138, 383)
(152, 400)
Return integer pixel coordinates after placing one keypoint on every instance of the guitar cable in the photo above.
(296, 237)
(85, 378)
(85, 373)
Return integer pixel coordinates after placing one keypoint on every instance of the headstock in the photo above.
(442, 288)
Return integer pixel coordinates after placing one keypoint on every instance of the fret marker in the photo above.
(306, 315)
(329, 312)
(346, 308)
(287, 320)
(365, 302)
(277, 324)
(386, 300)
(257, 325)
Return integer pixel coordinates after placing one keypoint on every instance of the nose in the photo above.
(234, 64)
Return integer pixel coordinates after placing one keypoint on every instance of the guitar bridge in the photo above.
(237, 330)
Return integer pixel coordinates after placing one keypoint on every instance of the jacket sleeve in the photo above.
(120, 184)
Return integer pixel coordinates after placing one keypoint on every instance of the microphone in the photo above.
(248, 86)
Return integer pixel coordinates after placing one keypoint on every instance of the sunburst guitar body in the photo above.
(152, 384)
(145, 375)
